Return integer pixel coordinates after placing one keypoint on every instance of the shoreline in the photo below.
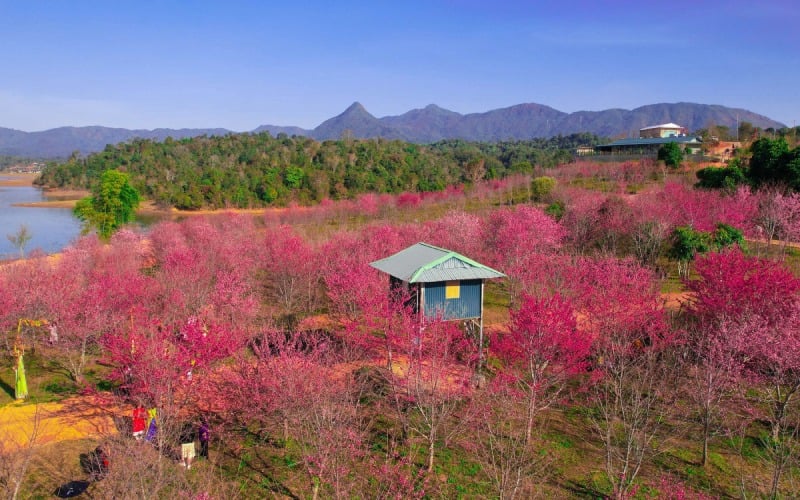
(58, 198)
(67, 198)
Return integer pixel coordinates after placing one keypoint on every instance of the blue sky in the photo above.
(238, 65)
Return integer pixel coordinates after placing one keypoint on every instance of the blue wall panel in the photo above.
(468, 305)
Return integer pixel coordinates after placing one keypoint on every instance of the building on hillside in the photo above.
(649, 146)
(441, 284)
(661, 131)
(584, 151)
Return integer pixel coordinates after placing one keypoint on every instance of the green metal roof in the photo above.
(423, 263)
(650, 141)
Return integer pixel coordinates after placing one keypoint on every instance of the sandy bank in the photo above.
(16, 180)
(57, 198)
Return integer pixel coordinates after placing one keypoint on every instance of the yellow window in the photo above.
(452, 290)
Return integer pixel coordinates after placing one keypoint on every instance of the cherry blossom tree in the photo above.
(778, 216)
(624, 316)
(760, 299)
(292, 271)
(518, 240)
(542, 351)
(512, 463)
(581, 217)
(295, 386)
(713, 368)
(435, 384)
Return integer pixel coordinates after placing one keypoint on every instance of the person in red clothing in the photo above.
(139, 418)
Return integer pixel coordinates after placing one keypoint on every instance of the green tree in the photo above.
(294, 176)
(686, 243)
(671, 153)
(113, 203)
(726, 236)
(746, 131)
(767, 162)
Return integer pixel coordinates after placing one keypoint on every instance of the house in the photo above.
(442, 284)
(661, 131)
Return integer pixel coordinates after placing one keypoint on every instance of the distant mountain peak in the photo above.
(356, 107)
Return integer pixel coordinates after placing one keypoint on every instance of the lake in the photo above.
(51, 229)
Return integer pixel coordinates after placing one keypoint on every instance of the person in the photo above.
(187, 445)
(139, 419)
(203, 432)
(101, 461)
(152, 425)
(53, 329)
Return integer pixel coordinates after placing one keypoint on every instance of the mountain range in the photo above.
(428, 124)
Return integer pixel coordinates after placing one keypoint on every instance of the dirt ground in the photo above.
(23, 425)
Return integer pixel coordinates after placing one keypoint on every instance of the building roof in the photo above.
(663, 125)
(423, 263)
(650, 141)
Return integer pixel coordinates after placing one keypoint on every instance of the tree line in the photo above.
(258, 170)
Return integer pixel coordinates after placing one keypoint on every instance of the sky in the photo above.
(240, 64)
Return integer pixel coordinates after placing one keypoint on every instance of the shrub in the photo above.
(542, 187)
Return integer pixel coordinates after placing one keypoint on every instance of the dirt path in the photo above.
(23, 425)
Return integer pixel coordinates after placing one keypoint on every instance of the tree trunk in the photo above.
(776, 473)
(315, 489)
(529, 423)
(706, 430)
(431, 449)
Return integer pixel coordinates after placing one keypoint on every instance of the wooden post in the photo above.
(480, 331)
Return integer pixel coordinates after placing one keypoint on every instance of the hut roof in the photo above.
(423, 263)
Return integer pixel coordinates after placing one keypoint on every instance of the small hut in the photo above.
(441, 283)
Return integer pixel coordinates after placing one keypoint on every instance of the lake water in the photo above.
(51, 229)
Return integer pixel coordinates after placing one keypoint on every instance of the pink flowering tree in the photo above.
(517, 241)
(292, 271)
(622, 312)
(296, 387)
(431, 388)
(758, 301)
(541, 352)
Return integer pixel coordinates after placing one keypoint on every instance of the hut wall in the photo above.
(467, 305)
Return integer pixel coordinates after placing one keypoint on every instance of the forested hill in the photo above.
(255, 170)
(426, 125)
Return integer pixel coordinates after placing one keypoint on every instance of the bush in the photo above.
(715, 177)
(542, 187)
(555, 210)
